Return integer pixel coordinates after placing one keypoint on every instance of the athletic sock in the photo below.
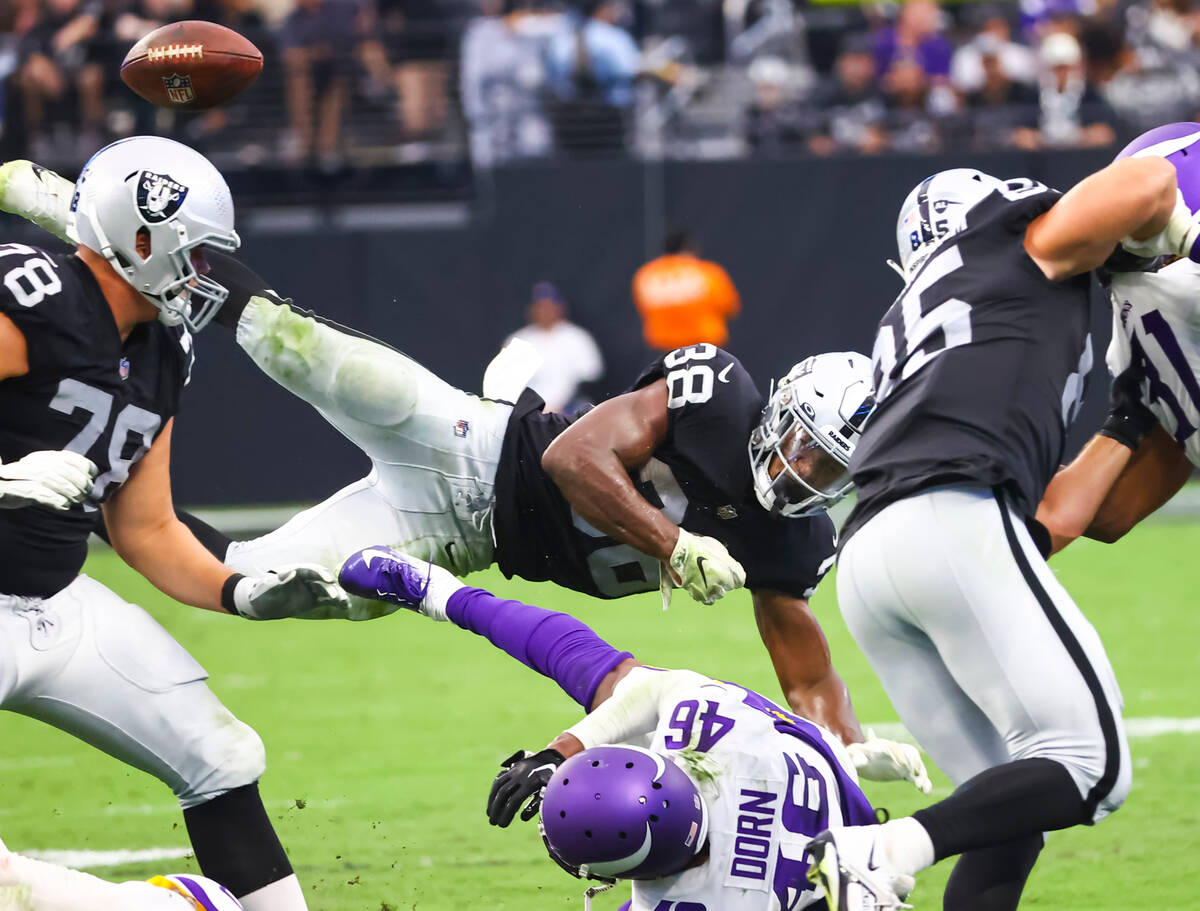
(1004, 804)
(992, 879)
(907, 845)
(554, 644)
(236, 845)
(281, 895)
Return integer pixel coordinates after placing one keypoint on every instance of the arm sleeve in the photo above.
(635, 706)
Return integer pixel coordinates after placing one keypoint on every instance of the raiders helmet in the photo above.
(179, 199)
(936, 208)
(800, 451)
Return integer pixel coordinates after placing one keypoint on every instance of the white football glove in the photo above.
(703, 567)
(1178, 238)
(876, 759)
(304, 591)
(53, 478)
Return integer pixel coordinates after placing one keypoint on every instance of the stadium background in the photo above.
(425, 224)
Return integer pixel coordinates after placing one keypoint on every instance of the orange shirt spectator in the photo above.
(684, 300)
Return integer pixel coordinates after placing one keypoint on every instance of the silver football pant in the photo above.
(433, 448)
(982, 652)
(103, 670)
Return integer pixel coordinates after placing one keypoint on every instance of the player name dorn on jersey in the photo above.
(772, 781)
(980, 366)
(1156, 326)
(699, 477)
(86, 392)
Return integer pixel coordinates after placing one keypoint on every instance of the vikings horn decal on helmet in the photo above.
(1177, 143)
(205, 894)
(622, 812)
(800, 451)
(936, 208)
(181, 202)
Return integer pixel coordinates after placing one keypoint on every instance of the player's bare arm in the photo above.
(1134, 197)
(592, 460)
(800, 654)
(1155, 473)
(147, 535)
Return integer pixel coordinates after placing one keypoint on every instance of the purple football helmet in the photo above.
(622, 812)
(1177, 143)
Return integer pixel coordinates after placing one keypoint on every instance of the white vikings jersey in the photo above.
(772, 781)
(1156, 324)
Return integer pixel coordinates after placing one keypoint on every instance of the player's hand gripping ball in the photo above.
(191, 66)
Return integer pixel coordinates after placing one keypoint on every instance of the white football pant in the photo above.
(433, 448)
(103, 670)
(982, 652)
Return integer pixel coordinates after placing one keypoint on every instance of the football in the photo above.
(191, 66)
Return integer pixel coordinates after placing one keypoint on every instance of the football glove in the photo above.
(54, 478)
(1128, 420)
(1181, 236)
(876, 759)
(304, 591)
(523, 777)
(703, 567)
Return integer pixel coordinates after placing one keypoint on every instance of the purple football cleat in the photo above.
(382, 574)
(622, 812)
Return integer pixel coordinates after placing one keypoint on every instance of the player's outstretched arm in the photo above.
(145, 531)
(592, 462)
(1133, 198)
(1106, 491)
(800, 654)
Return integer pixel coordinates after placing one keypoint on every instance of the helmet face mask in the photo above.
(622, 812)
(171, 196)
(800, 451)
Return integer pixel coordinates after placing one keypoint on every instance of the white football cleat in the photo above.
(851, 868)
(38, 195)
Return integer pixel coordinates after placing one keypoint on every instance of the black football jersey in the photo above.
(85, 391)
(980, 366)
(699, 477)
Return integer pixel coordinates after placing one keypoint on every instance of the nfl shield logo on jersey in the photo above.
(179, 88)
(123, 368)
(159, 196)
(461, 429)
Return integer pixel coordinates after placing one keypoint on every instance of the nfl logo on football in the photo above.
(179, 88)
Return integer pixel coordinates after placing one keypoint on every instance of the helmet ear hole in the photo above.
(142, 243)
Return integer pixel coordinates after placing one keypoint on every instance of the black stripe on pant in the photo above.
(1108, 725)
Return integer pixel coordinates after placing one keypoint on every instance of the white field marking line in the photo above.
(34, 762)
(83, 860)
(1135, 728)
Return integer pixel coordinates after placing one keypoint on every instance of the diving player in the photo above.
(95, 349)
(979, 368)
(656, 484)
(713, 791)
(1149, 446)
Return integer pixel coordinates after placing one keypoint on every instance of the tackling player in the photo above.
(655, 484)
(95, 349)
(1149, 446)
(980, 367)
(713, 791)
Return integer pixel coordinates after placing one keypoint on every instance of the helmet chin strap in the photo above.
(897, 268)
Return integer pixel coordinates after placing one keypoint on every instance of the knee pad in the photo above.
(374, 384)
(238, 759)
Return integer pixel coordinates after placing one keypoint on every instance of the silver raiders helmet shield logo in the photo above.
(159, 196)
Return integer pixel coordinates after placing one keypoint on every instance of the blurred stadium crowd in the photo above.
(384, 82)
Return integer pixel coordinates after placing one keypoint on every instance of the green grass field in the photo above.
(382, 739)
